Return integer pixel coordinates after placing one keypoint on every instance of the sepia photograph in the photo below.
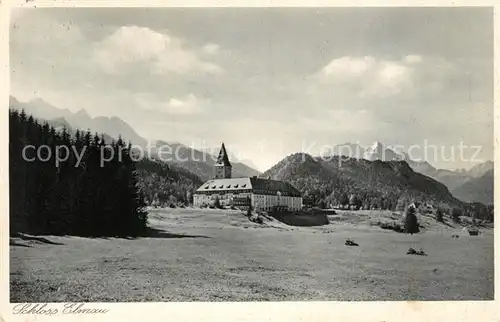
(232, 154)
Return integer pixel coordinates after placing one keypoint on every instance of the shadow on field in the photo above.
(158, 233)
(14, 243)
(301, 219)
(31, 238)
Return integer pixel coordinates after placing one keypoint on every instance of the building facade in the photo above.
(261, 194)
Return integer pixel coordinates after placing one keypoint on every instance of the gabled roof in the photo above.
(223, 158)
(257, 185)
(226, 184)
(274, 186)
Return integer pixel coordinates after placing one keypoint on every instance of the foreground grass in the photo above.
(213, 255)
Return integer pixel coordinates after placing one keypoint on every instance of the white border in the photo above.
(240, 311)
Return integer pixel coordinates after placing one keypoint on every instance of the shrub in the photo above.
(455, 215)
(439, 215)
(473, 232)
(321, 204)
(391, 226)
(411, 222)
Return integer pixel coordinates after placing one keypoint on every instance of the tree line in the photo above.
(166, 185)
(80, 196)
(343, 194)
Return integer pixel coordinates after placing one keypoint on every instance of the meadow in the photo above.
(219, 255)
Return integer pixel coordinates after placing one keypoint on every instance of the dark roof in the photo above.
(256, 185)
(227, 185)
(223, 159)
(274, 186)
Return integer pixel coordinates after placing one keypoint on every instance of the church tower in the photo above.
(223, 166)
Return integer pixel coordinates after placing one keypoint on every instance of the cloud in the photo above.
(185, 105)
(347, 66)
(413, 77)
(413, 59)
(368, 76)
(211, 49)
(159, 81)
(159, 52)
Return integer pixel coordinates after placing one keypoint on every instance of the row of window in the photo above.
(212, 192)
(222, 186)
(256, 192)
(274, 192)
(263, 198)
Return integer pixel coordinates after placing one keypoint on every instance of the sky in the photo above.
(269, 82)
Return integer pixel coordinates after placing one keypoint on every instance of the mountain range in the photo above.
(475, 184)
(384, 169)
(478, 189)
(112, 126)
(374, 182)
(198, 162)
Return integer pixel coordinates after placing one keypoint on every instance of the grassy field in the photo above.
(214, 255)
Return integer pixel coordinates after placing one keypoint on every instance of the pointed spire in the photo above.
(223, 158)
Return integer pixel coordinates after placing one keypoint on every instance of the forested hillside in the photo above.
(163, 184)
(379, 184)
(80, 194)
(198, 162)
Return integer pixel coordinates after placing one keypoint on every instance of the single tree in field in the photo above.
(439, 215)
(411, 222)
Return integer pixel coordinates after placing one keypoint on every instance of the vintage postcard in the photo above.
(289, 162)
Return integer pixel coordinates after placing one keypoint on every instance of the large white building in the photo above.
(262, 194)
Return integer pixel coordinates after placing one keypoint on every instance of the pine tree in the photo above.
(439, 215)
(84, 199)
(411, 222)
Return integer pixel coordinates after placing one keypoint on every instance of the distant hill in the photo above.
(480, 169)
(159, 182)
(112, 126)
(60, 123)
(185, 168)
(475, 184)
(350, 150)
(378, 151)
(195, 161)
(451, 179)
(374, 182)
(478, 189)
(163, 183)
